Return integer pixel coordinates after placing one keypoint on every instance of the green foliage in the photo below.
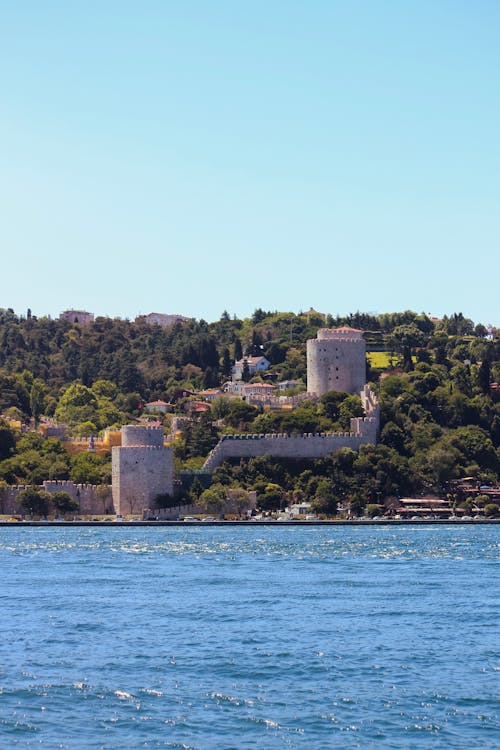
(440, 418)
(64, 503)
(7, 441)
(89, 468)
(200, 436)
(331, 402)
(35, 502)
(77, 404)
(212, 499)
(325, 500)
(36, 460)
(239, 414)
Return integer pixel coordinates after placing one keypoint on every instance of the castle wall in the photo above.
(92, 499)
(364, 431)
(283, 446)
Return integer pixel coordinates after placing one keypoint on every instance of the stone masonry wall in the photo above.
(283, 446)
(91, 498)
(139, 474)
(336, 362)
(364, 431)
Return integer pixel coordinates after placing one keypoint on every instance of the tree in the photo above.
(105, 388)
(349, 408)
(77, 404)
(89, 468)
(405, 338)
(484, 376)
(226, 363)
(238, 350)
(35, 502)
(272, 497)
(200, 436)
(330, 402)
(103, 494)
(64, 503)
(38, 395)
(245, 373)
(325, 500)
(239, 499)
(239, 413)
(213, 499)
(7, 441)
(195, 490)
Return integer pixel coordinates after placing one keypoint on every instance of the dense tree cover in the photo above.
(38, 502)
(35, 460)
(39, 358)
(440, 418)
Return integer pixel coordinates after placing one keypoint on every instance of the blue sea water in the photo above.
(255, 637)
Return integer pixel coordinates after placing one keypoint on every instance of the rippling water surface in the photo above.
(256, 637)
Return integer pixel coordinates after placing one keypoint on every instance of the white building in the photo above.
(255, 365)
(161, 319)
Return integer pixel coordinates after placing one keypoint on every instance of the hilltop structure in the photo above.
(336, 361)
(161, 319)
(364, 431)
(142, 468)
(82, 317)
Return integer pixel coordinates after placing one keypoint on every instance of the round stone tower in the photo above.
(336, 361)
(142, 469)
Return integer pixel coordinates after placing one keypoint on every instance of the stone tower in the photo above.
(336, 361)
(142, 468)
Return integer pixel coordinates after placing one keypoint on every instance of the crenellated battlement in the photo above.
(364, 431)
(92, 499)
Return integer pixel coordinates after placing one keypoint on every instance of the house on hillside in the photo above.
(161, 319)
(255, 365)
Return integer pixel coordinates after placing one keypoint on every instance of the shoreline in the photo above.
(256, 524)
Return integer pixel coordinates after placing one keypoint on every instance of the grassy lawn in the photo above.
(379, 360)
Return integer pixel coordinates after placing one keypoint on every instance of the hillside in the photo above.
(435, 382)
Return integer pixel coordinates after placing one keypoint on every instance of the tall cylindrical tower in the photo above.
(336, 361)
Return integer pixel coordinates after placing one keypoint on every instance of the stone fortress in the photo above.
(143, 468)
(336, 361)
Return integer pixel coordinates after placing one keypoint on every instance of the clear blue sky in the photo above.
(195, 156)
